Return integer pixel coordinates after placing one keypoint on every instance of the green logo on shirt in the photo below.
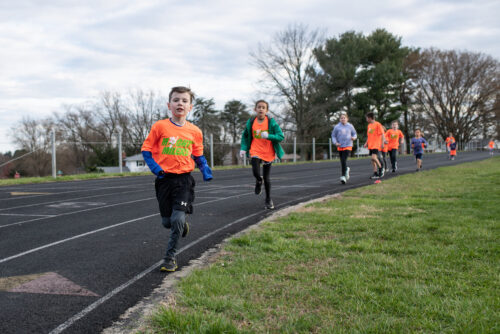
(176, 146)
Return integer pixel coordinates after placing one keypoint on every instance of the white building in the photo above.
(136, 163)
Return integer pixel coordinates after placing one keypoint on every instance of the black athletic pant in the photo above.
(393, 153)
(343, 160)
(267, 171)
(383, 161)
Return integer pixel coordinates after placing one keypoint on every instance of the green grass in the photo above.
(415, 254)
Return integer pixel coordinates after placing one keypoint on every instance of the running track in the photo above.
(75, 255)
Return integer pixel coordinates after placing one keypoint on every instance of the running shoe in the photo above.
(375, 176)
(269, 204)
(343, 179)
(186, 230)
(394, 170)
(258, 187)
(168, 265)
(347, 176)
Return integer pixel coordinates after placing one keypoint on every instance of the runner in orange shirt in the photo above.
(491, 145)
(383, 153)
(169, 150)
(394, 138)
(261, 138)
(375, 142)
(450, 139)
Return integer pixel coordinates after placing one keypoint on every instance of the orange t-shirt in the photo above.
(262, 148)
(450, 140)
(393, 137)
(491, 144)
(375, 132)
(172, 145)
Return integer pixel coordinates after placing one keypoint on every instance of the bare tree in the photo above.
(457, 92)
(288, 64)
(34, 136)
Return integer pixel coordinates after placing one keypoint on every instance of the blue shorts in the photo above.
(419, 156)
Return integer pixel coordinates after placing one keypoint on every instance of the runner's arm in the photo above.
(152, 164)
(202, 164)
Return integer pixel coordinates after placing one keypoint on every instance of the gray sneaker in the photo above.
(168, 265)
(269, 204)
(343, 179)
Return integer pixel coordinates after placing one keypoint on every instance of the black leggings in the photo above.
(343, 160)
(267, 170)
(383, 162)
(393, 153)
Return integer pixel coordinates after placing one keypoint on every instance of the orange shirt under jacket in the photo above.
(172, 145)
(393, 137)
(450, 140)
(262, 148)
(375, 133)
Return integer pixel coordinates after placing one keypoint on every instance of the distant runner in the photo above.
(394, 138)
(418, 143)
(491, 146)
(261, 138)
(375, 143)
(342, 136)
(450, 139)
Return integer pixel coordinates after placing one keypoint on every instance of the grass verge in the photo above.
(419, 253)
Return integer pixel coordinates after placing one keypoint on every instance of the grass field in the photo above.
(419, 253)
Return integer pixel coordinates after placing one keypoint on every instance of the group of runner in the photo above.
(174, 146)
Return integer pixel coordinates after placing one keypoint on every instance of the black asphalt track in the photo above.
(92, 247)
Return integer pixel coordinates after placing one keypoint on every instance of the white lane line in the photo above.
(24, 215)
(68, 323)
(70, 199)
(78, 211)
(71, 238)
(64, 192)
(103, 229)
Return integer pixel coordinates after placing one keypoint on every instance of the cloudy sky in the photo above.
(64, 52)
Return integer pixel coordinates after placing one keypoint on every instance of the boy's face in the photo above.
(180, 104)
(369, 120)
(261, 110)
(417, 133)
(395, 126)
(343, 119)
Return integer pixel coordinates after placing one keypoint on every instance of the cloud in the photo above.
(56, 52)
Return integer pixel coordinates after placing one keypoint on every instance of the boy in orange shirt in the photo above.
(450, 139)
(491, 145)
(375, 143)
(394, 138)
(262, 137)
(169, 150)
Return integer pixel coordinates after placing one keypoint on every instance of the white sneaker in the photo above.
(343, 180)
(347, 176)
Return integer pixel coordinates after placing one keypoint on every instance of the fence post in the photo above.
(330, 147)
(120, 157)
(294, 149)
(314, 149)
(53, 140)
(211, 150)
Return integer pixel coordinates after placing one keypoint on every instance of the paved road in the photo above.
(76, 255)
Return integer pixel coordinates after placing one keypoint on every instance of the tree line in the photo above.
(309, 80)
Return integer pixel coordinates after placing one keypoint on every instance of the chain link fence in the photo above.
(68, 158)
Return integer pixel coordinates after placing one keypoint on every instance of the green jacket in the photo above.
(275, 135)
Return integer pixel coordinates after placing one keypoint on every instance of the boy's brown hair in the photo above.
(262, 101)
(181, 90)
(370, 115)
